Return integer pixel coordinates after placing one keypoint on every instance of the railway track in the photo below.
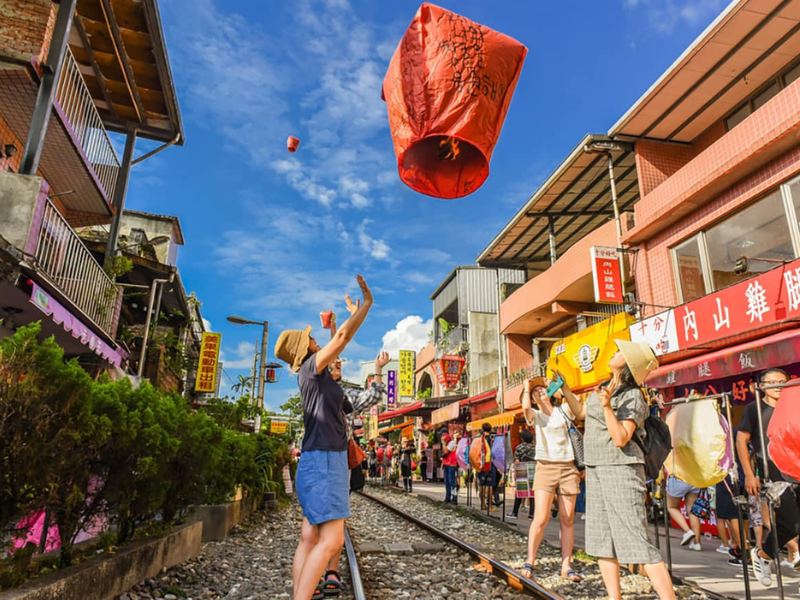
(406, 519)
(490, 564)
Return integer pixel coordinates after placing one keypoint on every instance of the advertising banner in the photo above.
(391, 390)
(278, 427)
(408, 359)
(207, 365)
(606, 274)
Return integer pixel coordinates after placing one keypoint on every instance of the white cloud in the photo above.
(411, 333)
(665, 16)
(360, 201)
(377, 249)
(207, 325)
(240, 357)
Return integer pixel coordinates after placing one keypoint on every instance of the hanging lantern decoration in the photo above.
(447, 92)
(448, 370)
(292, 144)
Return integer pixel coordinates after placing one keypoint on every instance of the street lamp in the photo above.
(262, 370)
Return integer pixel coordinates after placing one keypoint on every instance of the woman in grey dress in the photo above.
(616, 525)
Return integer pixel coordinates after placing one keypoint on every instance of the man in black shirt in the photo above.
(787, 513)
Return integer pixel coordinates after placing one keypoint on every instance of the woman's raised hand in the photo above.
(365, 291)
(382, 359)
(352, 307)
(606, 392)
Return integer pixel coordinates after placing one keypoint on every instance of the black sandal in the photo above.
(332, 587)
(318, 593)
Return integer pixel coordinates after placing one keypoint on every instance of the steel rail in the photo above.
(355, 572)
(498, 568)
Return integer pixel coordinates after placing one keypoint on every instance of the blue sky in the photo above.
(276, 236)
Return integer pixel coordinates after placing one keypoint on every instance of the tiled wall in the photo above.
(26, 27)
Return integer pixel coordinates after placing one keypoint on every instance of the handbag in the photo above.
(576, 440)
(702, 506)
(355, 455)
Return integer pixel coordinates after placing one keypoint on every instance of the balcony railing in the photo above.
(61, 254)
(458, 337)
(81, 113)
(518, 377)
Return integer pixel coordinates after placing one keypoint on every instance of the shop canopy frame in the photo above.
(574, 201)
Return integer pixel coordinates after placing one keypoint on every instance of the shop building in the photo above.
(72, 75)
(716, 236)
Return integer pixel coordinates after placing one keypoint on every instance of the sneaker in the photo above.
(761, 568)
(530, 517)
(695, 546)
(687, 537)
(791, 564)
(735, 553)
(723, 549)
(511, 516)
(735, 562)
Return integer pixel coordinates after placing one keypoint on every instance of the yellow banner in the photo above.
(405, 376)
(278, 427)
(207, 365)
(582, 358)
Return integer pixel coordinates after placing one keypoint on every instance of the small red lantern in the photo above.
(448, 370)
(447, 92)
(292, 144)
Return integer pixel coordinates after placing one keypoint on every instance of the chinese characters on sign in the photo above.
(408, 359)
(446, 413)
(278, 427)
(391, 390)
(659, 331)
(606, 274)
(207, 366)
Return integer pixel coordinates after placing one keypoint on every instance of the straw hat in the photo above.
(640, 358)
(292, 347)
(537, 382)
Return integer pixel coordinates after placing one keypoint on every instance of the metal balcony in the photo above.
(61, 254)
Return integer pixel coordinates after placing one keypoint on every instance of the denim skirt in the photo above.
(322, 483)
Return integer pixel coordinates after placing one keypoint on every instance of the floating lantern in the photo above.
(447, 92)
(326, 319)
(292, 144)
(272, 372)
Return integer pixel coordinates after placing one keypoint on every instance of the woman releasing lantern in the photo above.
(322, 474)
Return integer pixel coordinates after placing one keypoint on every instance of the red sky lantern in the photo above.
(447, 91)
(292, 144)
(448, 370)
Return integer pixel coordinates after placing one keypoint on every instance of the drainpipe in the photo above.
(150, 303)
(501, 384)
(120, 191)
(47, 89)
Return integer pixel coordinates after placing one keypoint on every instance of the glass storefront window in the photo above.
(690, 269)
(760, 231)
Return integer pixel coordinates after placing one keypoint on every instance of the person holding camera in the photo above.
(555, 472)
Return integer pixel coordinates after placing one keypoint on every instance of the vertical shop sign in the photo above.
(207, 367)
(373, 422)
(406, 376)
(606, 274)
(391, 390)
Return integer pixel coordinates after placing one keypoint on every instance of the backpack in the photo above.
(379, 454)
(656, 445)
(478, 453)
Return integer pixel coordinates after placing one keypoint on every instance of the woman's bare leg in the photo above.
(609, 569)
(661, 580)
(331, 539)
(309, 536)
(694, 521)
(674, 508)
(541, 517)
(566, 516)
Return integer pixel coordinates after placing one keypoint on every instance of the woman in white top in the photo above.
(555, 472)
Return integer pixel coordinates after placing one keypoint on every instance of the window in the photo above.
(791, 75)
(689, 269)
(765, 96)
(737, 117)
(760, 231)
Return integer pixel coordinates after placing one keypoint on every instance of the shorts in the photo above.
(323, 481)
(553, 477)
(486, 478)
(755, 512)
(726, 508)
(679, 489)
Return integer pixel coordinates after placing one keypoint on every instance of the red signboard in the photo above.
(757, 302)
(606, 274)
(448, 370)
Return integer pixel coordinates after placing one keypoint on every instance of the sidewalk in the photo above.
(708, 569)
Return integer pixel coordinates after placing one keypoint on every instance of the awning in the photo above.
(447, 413)
(506, 418)
(394, 427)
(399, 412)
(490, 395)
(773, 351)
(61, 316)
